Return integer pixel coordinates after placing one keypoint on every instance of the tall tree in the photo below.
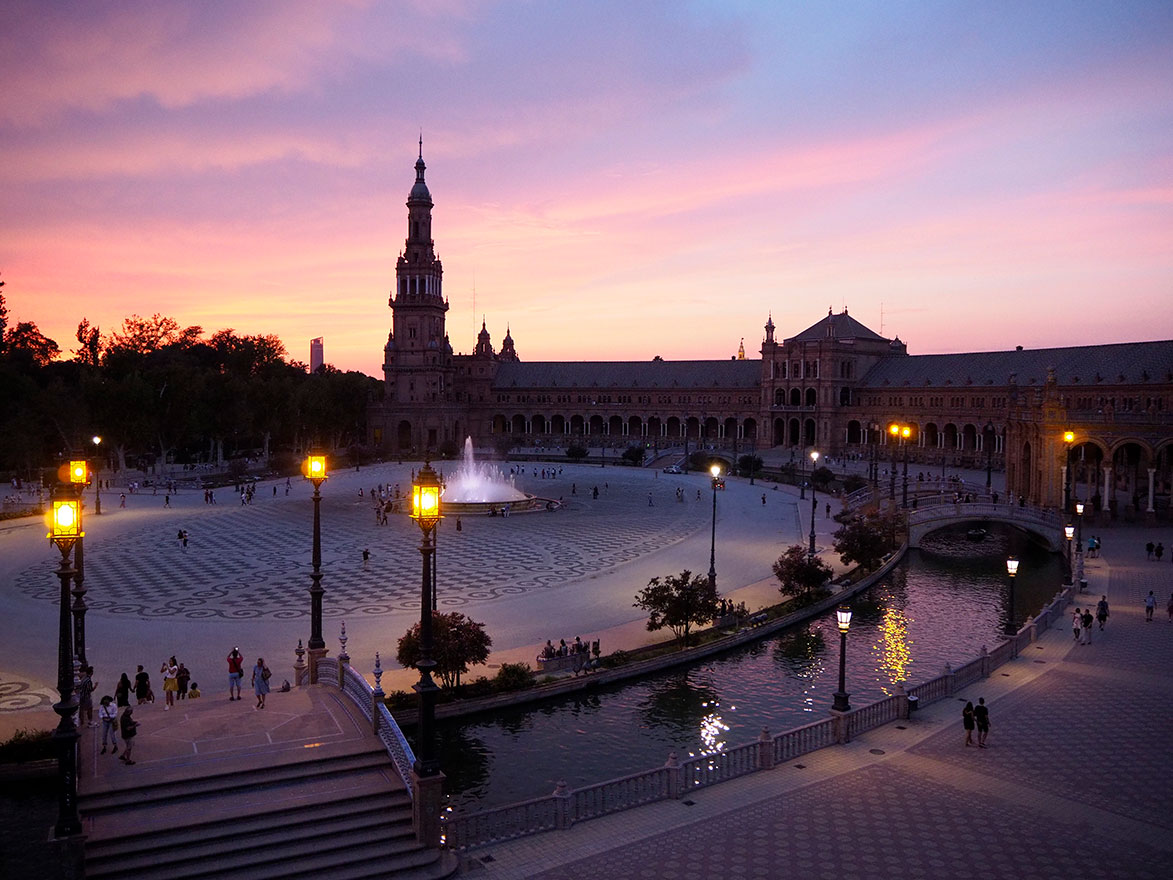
(457, 643)
(799, 573)
(678, 602)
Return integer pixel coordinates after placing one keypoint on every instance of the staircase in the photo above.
(332, 808)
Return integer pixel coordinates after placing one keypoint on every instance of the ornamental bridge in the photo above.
(934, 505)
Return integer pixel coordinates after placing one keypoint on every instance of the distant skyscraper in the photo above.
(316, 359)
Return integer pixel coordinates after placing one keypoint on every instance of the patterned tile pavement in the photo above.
(1074, 782)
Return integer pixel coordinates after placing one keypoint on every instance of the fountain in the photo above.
(479, 486)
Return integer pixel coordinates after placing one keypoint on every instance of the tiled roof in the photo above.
(841, 326)
(1091, 365)
(629, 374)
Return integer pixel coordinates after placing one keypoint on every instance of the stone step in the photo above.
(95, 803)
(190, 828)
(190, 854)
(214, 809)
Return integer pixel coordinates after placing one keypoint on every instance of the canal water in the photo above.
(940, 605)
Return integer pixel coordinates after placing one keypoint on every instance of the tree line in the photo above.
(157, 392)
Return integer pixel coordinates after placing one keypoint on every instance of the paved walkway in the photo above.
(1075, 782)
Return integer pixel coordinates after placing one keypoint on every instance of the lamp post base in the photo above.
(841, 704)
(314, 655)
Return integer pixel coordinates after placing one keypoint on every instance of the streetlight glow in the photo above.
(843, 617)
(78, 472)
(315, 467)
(1011, 566)
(65, 520)
(715, 470)
(1069, 531)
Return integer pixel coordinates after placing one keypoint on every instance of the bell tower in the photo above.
(418, 367)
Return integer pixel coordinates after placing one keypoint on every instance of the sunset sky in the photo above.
(615, 180)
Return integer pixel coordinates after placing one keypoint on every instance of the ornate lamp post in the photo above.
(65, 531)
(1011, 570)
(1069, 439)
(874, 474)
(988, 440)
(802, 481)
(905, 433)
(814, 462)
(97, 441)
(715, 470)
(1078, 574)
(425, 510)
(315, 472)
(894, 433)
(1069, 532)
(79, 476)
(843, 619)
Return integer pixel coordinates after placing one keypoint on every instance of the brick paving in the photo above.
(1074, 782)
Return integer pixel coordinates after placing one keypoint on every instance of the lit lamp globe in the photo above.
(715, 470)
(425, 498)
(1068, 436)
(1069, 531)
(65, 522)
(78, 473)
(315, 468)
(1079, 508)
(1012, 566)
(815, 457)
(843, 618)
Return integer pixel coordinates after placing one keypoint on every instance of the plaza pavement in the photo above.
(1074, 783)
(243, 579)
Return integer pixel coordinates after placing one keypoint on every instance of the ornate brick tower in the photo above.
(418, 368)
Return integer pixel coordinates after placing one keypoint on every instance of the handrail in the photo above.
(388, 731)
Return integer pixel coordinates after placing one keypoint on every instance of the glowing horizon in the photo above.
(612, 182)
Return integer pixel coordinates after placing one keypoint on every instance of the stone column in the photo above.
(425, 807)
(1107, 486)
(1152, 475)
(675, 780)
(765, 750)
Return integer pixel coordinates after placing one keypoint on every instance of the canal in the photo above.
(940, 605)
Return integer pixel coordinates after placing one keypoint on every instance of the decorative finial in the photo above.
(378, 673)
(421, 144)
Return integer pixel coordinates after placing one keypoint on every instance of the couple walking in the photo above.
(260, 677)
(976, 717)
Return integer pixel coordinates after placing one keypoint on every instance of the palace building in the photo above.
(1093, 423)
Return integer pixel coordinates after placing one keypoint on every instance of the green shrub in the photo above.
(27, 745)
(514, 677)
(615, 658)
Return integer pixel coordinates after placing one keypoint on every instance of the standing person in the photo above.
(235, 673)
(459, 527)
(1150, 603)
(981, 718)
(1087, 626)
(366, 558)
(1160, 551)
(184, 539)
(1169, 607)
(170, 672)
(129, 732)
(261, 681)
(967, 722)
(85, 697)
(122, 692)
(182, 677)
(1076, 623)
(108, 715)
(1102, 611)
(142, 686)
(1148, 549)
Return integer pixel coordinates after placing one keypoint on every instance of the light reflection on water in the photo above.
(939, 607)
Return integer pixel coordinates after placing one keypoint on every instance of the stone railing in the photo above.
(675, 779)
(338, 672)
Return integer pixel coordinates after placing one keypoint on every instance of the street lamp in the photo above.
(65, 531)
(894, 432)
(1068, 438)
(905, 433)
(988, 439)
(715, 470)
(1079, 527)
(1012, 570)
(315, 472)
(814, 462)
(79, 477)
(1069, 532)
(96, 440)
(425, 510)
(843, 619)
(802, 481)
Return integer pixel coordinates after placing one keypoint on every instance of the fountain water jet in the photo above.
(480, 483)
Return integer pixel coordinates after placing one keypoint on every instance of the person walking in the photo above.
(108, 715)
(170, 670)
(1150, 603)
(85, 697)
(1087, 627)
(260, 681)
(129, 732)
(142, 686)
(1076, 623)
(122, 692)
(1148, 549)
(967, 721)
(235, 673)
(1102, 611)
(981, 718)
(1159, 551)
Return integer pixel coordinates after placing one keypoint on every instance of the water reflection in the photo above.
(939, 606)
